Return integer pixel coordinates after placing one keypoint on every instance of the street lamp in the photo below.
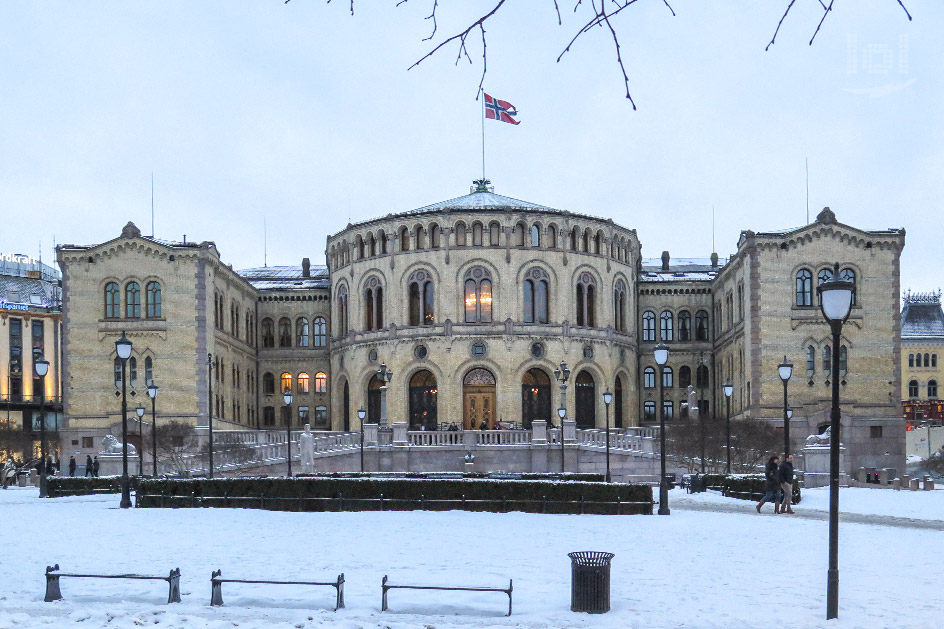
(41, 367)
(210, 411)
(287, 397)
(661, 352)
(562, 413)
(361, 414)
(152, 393)
(785, 370)
(140, 411)
(385, 375)
(728, 389)
(607, 398)
(835, 302)
(123, 348)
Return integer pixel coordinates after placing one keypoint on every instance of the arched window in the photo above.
(112, 301)
(912, 387)
(520, 230)
(648, 326)
(285, 332)
(934, 360)
(824, 275)
(927, 362)
(494, 234)
(619, 306)
(477, 234)
(371, 245)
(666, 328)
(535, 236)
(373, 304)
(404, 239)
(911, 360)
(359, 245)
(133, 300)
(302, 384)
(843, 360)
(286, 382)
(421, 298)
(321, 332)
(321, 382)
(268, 384)
(740, 302)
(701, 376)
(420, 232)
(301, 332)
(586, 301)
(585, 245)
(342, 310)
(649, 378)
(804, 288)
(848, 275)
(810, 360)
(268, 333)
(932, 388)
(382, 239)
(598, 243)
(827, 359)
(685, 325)
(685, 376)
(575, 239)
(117, 369)
(133, 371)
(148, 371)
(153, 296)
(536, 296)
(667, 377)
(478, 296)
(701, 325)
(552, 237)
(460, 234)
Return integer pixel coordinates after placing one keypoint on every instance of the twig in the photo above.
(825, 13)
(780, 23)
(901, 4)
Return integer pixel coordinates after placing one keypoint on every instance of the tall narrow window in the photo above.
(148, 371)
(843, 360)
(685, 376)
(848, 275)
(648, 326)
(934, 360)
(477, 234)
(494, 231)
(117, 370)
(535, 296)
(912, 389)
(268, 384)
(827, 359)
(286, 382)
(112, 301)
(804, 288)
(685, 325)
(301, 332)
(321, 382)
(435, 236)
(701, 376)
(619, 306)
(926, 360)
(810, 361)
(520, 230)
(460, 234)
(932, 389)
(133, 300)
(133, 371)
(586, 301)
(421, 298)
(552, 237)
(302, 385)
(665, 326)
(649, 412)
(420, 234)
(285, 332)
(911, 360)
(321, 332)
(342, 311)
(535, 236)
(575, 239)
(404, 239)
(701, 325)
(824, 275)
(649, 378)
(268, 333)
(667, 377)
(478, 296)
(373, 304)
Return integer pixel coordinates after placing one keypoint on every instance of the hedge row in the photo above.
(397, 494)
(744, 486)
(568, 476)
(69, 486)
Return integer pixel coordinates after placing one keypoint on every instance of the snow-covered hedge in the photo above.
(398, 494)
(744, 486)
(73, 486)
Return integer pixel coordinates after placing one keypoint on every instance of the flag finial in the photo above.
(482, 185)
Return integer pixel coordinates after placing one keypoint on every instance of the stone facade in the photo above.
(922, 357)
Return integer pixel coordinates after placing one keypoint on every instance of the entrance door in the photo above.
(373, 400)
(423, 401)
(347, 407)
(586, 400)
(535, 397)
(618, 401)
(478, 399)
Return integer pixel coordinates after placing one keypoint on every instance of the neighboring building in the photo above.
(30, 328)
(473, 303)
(922, 346)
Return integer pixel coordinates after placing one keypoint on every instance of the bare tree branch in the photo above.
(901, 4)
(780, 23)
(818, 26)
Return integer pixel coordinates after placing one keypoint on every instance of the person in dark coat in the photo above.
(772, 474)
(786, 484)
(95, 467)
(71, 466)
(89, 468)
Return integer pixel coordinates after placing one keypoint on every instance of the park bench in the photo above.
(386, 586)
(216, 595)
(54, 594)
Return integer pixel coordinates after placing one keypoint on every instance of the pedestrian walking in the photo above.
(772, 488)
(89, 468)
(786, 484)
(95, 468)
(71, 466)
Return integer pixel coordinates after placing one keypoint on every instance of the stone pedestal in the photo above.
(110, 464)
(399, 434)
(570, 432)
(815, 464)
(539, 432)
(469, 467)
(370, 434)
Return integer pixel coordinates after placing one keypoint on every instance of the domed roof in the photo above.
(483, 197)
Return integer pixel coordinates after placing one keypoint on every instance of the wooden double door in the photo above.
(478, 405)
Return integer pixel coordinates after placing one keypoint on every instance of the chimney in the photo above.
(665, 260)
(306, 267)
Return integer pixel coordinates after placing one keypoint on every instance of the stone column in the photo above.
(539, 446)
(399, 434)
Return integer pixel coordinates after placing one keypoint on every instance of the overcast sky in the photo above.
(306, 117)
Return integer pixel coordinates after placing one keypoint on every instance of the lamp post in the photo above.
(210, 409)
(361, 414)
(562, 413)
(152, 393)
(140, 412)
(835, 302)
(728, 389)
(287, 398)
(785, 370)
(702, 362)
(562, 375)
(41, 367)
(662, 356)
(123, 348)
(607, 398)
(385, 375)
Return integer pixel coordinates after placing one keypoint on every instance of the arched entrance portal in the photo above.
(423, 401)
(347, 407)
(618, 401)
(373, 400)
(535, 397)
(586, 400)
(478, 399)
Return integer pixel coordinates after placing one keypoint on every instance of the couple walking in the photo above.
(779, 484)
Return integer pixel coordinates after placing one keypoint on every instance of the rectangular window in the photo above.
(875, 432)
(649, 412)
(321, 415)
(668, 409)
(303, 415)
(87, 442)
(268, 416)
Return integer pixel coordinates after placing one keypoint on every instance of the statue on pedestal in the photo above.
(306, 447)
(692, 398)
(111, 445)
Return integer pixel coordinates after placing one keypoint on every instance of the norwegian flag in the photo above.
(500, 110)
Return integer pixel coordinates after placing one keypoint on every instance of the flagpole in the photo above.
(483, 133)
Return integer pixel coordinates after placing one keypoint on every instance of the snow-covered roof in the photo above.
(921, 316)
(286, 277)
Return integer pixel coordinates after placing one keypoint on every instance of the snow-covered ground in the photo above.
(713, 563)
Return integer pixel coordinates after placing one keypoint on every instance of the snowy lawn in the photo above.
(691, 569)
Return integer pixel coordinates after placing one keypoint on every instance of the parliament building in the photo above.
(471, 304)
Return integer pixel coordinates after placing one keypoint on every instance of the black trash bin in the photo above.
(590, 581)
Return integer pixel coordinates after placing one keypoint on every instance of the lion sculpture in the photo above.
(111, 445)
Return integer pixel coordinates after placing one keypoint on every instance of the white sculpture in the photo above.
(692, 402)
(306, 447)
(111, 445)
(820, 440)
